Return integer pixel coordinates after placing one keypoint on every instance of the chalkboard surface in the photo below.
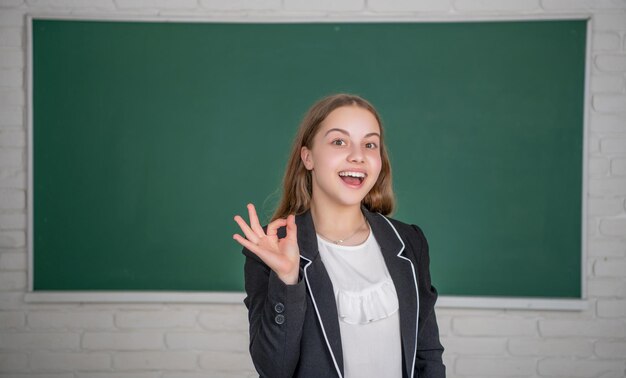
(149, 136)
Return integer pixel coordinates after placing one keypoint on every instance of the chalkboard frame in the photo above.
(229, 297)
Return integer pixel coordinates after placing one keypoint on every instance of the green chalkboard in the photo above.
(149, 136)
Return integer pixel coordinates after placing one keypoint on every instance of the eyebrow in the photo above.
(348, 134)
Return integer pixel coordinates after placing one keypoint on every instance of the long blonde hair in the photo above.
(297, 184)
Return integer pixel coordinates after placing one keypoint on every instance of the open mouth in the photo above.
(352, 178)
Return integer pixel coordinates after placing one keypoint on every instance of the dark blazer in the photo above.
(294, 329)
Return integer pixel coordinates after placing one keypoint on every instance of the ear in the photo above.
(305, 155)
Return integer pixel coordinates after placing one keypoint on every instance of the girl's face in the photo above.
(345, 157)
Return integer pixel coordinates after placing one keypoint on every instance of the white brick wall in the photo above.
(70, 320)
(398, 6)
(193, 341)
(122, 341)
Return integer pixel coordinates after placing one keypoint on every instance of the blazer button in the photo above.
(279, 319)
(279, 308)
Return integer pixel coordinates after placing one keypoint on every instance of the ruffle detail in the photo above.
(374, 303)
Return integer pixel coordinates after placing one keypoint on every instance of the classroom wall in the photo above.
(178, 340)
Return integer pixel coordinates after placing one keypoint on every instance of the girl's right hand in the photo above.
(281, 255)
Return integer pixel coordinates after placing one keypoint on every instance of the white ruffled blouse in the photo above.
(367, 305)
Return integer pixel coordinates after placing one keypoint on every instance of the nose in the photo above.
(356, 154)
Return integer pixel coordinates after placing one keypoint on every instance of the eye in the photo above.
(371, 145)
(338, 142)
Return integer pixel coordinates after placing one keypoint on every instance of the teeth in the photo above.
(352, 174)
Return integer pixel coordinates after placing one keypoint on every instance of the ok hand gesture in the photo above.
(281, 255)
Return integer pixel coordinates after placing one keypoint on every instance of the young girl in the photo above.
(334, 287)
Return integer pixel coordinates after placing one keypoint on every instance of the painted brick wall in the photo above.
(188, 341)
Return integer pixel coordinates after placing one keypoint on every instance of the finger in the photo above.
(254, 220)
(250, 245)
(250, 235)
(292, 229)
(272, 228)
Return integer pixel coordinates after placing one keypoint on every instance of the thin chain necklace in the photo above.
(343, 240)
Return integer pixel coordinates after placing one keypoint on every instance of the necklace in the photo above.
(343, 240)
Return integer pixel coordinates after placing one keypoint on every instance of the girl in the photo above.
(334, 287)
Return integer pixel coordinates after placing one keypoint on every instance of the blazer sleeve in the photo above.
(429, 363)
(276, 315)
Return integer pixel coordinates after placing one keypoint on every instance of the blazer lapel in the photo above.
(320, 288)
(405, 281)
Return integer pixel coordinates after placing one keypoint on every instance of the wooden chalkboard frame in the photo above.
(228, 297)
